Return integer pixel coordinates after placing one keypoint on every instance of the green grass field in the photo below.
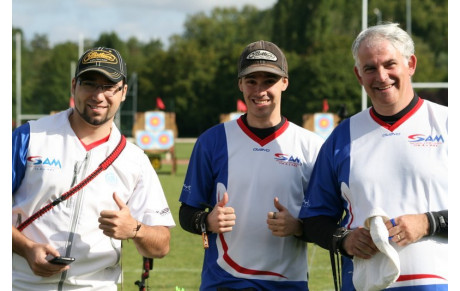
(182, 266)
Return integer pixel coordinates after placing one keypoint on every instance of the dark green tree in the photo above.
(198, 73)
(33, 55)
(52, 92)
(196, 76)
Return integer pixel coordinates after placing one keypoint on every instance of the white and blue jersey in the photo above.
(48, 160)
(400, 168)
(229, 158)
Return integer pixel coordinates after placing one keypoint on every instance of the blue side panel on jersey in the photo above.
(334, 157)
(208, 165)
(21, 137)
(347, 274)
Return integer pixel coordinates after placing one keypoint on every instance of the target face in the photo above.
(152, 140)
(324, 124)
(145, 139)
(154, 120)
(165, 139)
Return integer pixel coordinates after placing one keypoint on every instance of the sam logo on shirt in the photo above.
(422, 140)
(287, 160)
(44, 162)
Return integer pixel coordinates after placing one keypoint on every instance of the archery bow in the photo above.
(147, 265)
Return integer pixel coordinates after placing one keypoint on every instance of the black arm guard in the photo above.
(190, 218)
(438, 222)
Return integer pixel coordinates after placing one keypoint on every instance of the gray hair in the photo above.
(400, 39)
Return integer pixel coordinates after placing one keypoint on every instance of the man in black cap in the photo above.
(114, 192)
(252, 174)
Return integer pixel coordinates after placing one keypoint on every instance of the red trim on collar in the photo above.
(95, 144)
(394, 126)
(266, 140)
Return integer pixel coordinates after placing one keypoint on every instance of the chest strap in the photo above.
(104, 165)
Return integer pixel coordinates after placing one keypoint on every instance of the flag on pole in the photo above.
(240, 106)
(325, 105)
(160, 104)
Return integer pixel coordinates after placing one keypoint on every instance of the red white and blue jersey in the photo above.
(400, 168)
(229, 158)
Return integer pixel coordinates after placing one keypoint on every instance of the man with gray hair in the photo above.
(378, 192)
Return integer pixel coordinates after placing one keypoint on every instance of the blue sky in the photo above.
(63, 20)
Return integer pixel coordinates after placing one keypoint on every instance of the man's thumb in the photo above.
(278, 205)
(223, 201)
(118, 201)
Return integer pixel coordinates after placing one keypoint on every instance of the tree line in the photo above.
(196, 75)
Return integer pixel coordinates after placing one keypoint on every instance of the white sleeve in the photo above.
(148, 202)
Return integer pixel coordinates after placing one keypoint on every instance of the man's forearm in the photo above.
(20, 243)
(152, 241)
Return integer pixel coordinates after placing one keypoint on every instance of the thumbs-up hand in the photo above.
(282, 223)
(118, 224)
(221, 219)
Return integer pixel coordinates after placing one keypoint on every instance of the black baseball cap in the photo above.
(262, 56)
(107, 61)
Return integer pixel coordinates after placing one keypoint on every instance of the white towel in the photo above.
(383, 268)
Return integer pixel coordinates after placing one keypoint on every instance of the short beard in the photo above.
(90, 120)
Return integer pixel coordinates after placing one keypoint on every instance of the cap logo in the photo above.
(262, 55)
(100, 56)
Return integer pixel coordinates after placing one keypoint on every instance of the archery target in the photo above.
(165, 139)
(145, 139)
(324, 124)
(154, 120)
(155, 140)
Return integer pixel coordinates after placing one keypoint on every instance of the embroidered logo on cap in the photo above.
(100, 56)
(262, 55)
